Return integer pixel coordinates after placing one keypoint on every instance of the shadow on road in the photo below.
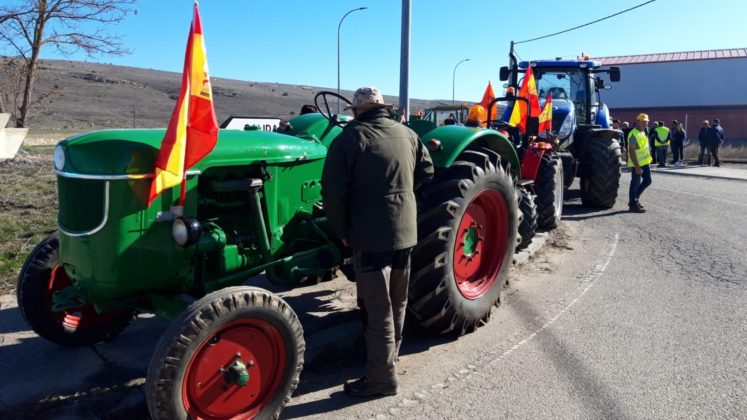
(590, 389)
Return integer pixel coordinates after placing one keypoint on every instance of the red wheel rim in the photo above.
(208, 393)
(480, 244)
(74, 318)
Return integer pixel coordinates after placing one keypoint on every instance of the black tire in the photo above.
(569, 168)
(475, 183)
(549, 188)
(528, 224)
(601, 178)
(41, 276)
(259, 324)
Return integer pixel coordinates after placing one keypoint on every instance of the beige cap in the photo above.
(367, 97)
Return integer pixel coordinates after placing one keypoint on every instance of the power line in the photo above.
(585, 24)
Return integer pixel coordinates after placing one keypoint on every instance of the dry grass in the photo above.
(28, 208)
(724, 152)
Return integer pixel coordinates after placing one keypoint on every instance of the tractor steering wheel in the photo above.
(322, 98)
(498, 124)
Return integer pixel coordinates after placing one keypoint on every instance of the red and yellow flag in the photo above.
(488, 96)
(193, 129)
(545, 117)
(528, 90)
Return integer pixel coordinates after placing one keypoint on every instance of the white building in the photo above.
(687, 86)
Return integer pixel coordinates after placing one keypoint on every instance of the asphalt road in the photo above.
(618, 316)
(624, 316)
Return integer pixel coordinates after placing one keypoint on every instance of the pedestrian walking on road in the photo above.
(715, 139)
(639, 160)
(703, 141)
(678, 142)
(662, 139)
(370, 176)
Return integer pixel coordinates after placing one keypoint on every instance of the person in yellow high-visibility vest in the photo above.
(639, 160)
(662, 138)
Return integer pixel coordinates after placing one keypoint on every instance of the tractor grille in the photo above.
(81, 203)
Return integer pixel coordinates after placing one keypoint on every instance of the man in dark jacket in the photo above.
(368, 185)
(703, 140)
(715, 138)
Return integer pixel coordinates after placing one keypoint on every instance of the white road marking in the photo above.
(594, 276)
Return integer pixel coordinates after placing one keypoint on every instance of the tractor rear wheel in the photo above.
(601, 175)
(549, 188)
(42, 276)
(235, 353)
(467, 227)
(528, 224)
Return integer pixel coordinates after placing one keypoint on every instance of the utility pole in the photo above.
(404, 62)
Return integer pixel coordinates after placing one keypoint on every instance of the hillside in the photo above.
(93, 96)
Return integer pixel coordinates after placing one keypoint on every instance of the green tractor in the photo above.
(252, 205)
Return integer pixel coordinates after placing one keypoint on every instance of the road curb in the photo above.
(679, 172)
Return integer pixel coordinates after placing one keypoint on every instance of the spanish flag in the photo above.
(488, 96)
(193, 128)
(528, 90)
(545, 117)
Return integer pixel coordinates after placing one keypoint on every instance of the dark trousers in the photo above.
(678, 151)
(661, 154)
(636, 186)
(703, 147)
(713, 148)
(381, 280)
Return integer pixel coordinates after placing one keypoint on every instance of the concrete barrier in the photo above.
(10, 138)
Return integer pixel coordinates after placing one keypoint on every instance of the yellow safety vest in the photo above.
(662, 133)
(642, 149)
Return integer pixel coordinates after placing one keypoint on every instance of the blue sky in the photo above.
(295, 41)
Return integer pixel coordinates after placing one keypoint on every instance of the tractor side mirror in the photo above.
(504, 73)
(615, 74)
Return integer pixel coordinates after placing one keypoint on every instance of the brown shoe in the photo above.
(363, 388)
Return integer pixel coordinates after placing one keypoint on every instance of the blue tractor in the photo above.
(588, 146)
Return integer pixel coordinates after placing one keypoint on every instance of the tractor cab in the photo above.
(575, 91)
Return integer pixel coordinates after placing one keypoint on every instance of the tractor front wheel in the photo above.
(601, 175)
(235, 353)
(467, 230)
(528, 224)
(549, 188)
(42, 276)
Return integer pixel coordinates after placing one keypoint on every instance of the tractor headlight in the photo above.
(59, 157)
(567, 127)
(186, 231)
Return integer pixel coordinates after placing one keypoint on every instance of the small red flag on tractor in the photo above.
(545, 118)
(488, 96)
(193, 129)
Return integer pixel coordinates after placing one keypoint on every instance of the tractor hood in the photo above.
(131, 153)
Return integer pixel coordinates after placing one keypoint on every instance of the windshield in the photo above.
(564, 84)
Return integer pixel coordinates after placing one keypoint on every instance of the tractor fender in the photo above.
(532, 158)
(447, 142)
(587, 134)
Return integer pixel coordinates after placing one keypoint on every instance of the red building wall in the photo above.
(733, 118)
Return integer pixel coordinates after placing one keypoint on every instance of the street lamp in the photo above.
(338, 52)
(453, 79)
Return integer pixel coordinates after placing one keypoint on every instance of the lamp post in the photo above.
(453, 79)
(338, 51)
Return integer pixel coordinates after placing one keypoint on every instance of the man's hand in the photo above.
(345, 242)
(637, 170)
